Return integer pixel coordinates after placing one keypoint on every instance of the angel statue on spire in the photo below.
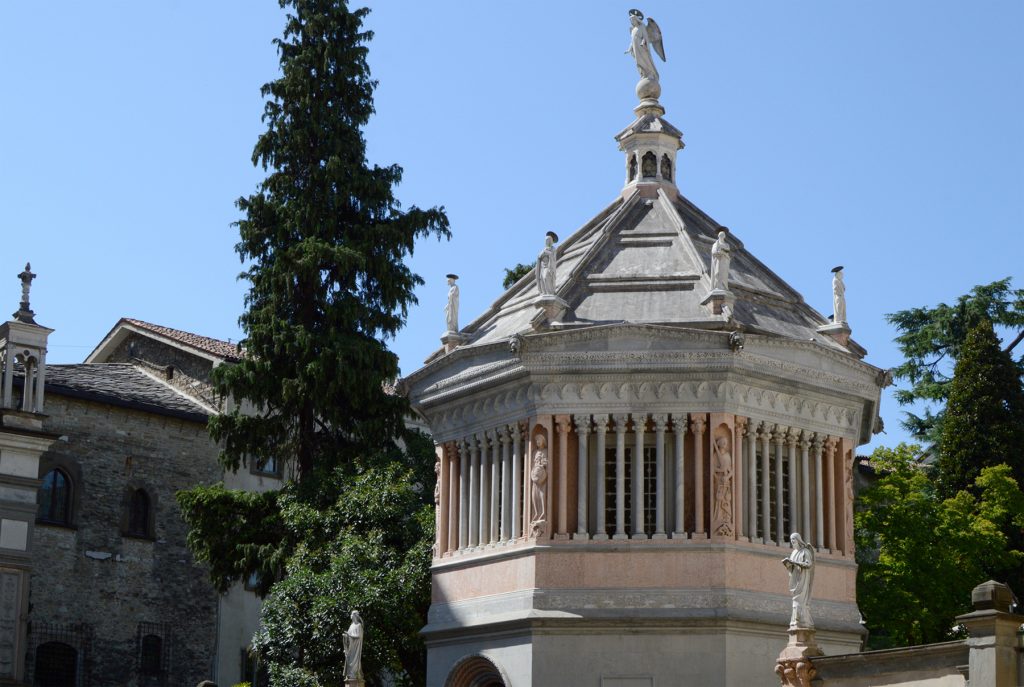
(641, 39)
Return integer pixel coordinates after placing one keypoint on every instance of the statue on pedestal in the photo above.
(838, 296)
(721, 256)
(451, 310)
(547, 266)
(353, 639)
(800, 565)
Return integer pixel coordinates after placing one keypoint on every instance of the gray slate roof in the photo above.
(648, 260)
(122, 385)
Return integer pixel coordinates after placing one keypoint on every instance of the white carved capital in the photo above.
(660, 422)
(621, 419)
(582, 423)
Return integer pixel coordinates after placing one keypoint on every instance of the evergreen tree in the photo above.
(514, 274)
(323, 240)
(984, 418)
(931, 340)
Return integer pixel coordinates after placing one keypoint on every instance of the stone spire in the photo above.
(650, 142)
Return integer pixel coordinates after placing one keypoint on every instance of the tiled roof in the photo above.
(122, 385)
(222, 349)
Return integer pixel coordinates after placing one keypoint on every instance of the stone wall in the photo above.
(95, 585)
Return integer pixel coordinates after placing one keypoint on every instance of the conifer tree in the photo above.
(323, 241)
(984, 419)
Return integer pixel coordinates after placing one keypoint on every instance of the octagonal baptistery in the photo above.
(626, 441)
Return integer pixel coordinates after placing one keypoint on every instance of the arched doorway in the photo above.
(475, 671)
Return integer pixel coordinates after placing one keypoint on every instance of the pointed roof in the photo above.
(646, 258)
(208, 347)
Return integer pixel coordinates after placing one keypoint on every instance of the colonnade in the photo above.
(644, 476)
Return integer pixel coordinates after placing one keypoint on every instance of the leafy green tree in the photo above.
(323, 240)
(931, 340)
(514, 274)
(920, 555)
(984, 418)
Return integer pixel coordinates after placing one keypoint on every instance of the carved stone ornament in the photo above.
(722, 461)
(515, 344)
(736, 341)
(539, 479)
(795, 672)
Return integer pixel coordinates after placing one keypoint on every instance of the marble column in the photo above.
(819, 492)
(453, 496)
(739, 477)
(495, 498)
(830, 486)
(805, 486)
(486, 439)
(564, 427)
(637, 506)
(660, 421)
(792, 436)
(750, 432)
(506, 483)
(440, 501)
(780, 526)
(465, 458)
(698, 423)
(582, 423)
(679, 436)
(474, 490)
(766, 483)
(601, 426)
(517, 480)
(620, 476)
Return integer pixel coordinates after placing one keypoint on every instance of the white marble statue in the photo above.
(451, 310)
(721, 256)
(838, 296)
(353, 639)
(539, 478)
(547, 266)
(722, 463)
(800, 565)
(641, 39)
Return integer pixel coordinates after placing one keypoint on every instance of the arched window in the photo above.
(138, 514)
(666, 168)
(56, 665)
(632, 167)
(649, 165)
(151, 655)
(55, 498)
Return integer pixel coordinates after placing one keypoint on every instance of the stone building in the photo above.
(626, 439)
(97, 582)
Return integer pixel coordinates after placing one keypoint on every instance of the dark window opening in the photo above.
(55, 498)
(666, 168)
(151, 652)
(138, 514)
(56, 665)
(632, 167)
(649, 165)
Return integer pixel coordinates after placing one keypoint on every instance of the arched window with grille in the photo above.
(138, 514)
(56, 665)
(55, 498)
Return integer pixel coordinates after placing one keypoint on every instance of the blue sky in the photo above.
(885, 136)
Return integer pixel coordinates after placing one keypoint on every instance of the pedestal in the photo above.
(840, 331)
(717, 299)
(794, 666)
(452, 340)
(355, 682)
(552, 309)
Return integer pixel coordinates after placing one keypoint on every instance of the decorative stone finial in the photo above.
(25, 313)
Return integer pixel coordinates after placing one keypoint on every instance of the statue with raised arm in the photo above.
(721, 256)
(353, 639)
(838, 296)
(641, 39)
(451, 310)
(539, 478)
(800, 565)
(547, 266)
